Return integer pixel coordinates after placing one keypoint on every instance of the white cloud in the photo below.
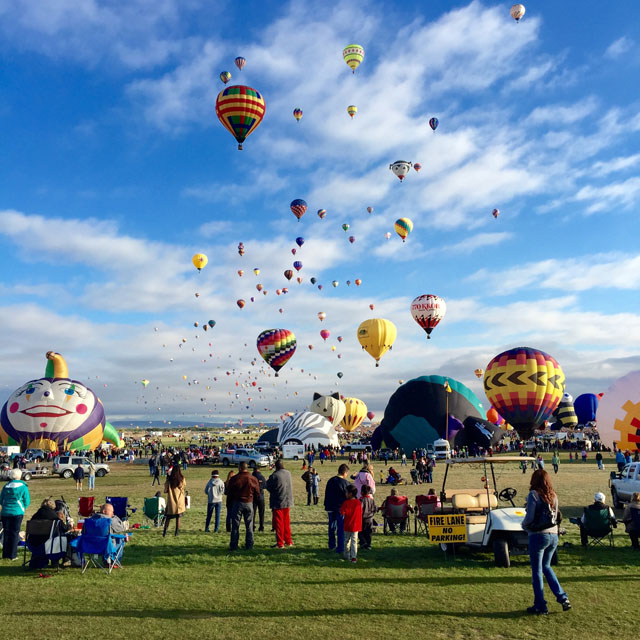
(618, 194)
(606, 167)
(562, 115)
(618, 48)
(479, 241)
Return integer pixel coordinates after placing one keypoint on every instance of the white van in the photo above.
(442, 449)
(293, 451)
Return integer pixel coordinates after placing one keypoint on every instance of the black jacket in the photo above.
(335, 493)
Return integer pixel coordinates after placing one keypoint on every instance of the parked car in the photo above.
(64, 466)
(624, 484)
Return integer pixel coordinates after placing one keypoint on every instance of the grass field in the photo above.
(191, 586)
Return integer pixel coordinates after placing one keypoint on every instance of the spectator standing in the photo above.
(214, 490)
(315, 484)
(307, 478)
(368, 511)
(78, 476)
(156, 475)
(280, 490)
(351, 510)
(555, 461)
(14, 500)
(175, 488)
(258, 504)
(242, 489)
(229, 503)
(92, 477)
(365, 477)
(334, 495)
(599, 461)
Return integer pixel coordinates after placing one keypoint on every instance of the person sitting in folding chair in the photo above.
(106, 511)
(597, 521)
(98, 545)
(46, 524)
(395, 512)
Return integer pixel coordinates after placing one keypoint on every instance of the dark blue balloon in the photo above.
(586, 406)
(299, 241)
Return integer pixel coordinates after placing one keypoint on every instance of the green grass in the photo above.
(191, 586)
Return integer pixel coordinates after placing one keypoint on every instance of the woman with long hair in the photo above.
(174, 487)
(541, 523)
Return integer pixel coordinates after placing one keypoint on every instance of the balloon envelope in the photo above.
(376, 336)
(353, 55)
(586, 406)
(276, 346)
(298, 208)
(240, 109)
(356, 412)
(427, 310)
(403, 227)
(619, 413)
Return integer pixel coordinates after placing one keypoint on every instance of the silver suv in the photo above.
(64, 466)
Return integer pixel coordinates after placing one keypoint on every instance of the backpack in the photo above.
(545, 517)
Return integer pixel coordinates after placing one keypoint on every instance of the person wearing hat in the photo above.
(14, 500)
(598, 505)
(214, 491)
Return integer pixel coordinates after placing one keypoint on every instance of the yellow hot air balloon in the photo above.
(352, 110)
(145, 382)
(403, 227)
(356, 412)
(199, 261)
(479, 373)
(377, 336)
(353, 55)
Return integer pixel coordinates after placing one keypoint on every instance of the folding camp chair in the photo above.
(38, 533)
(153, 510)
(120, 507)
(85, 506)
(425, 506)
(396, 514)
(597, 525)
(98, 546)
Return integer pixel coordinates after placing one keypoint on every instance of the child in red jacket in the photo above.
(351, 509)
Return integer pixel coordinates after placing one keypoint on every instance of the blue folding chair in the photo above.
(120, 507)
(98, 546)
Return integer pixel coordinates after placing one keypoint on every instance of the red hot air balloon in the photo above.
(298, 208)
(371, 415)
(240, 303)
(288, 274)
(324, 334)
(417, 166)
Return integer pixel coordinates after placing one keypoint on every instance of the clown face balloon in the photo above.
(54, 412)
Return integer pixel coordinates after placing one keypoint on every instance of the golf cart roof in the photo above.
(490, 460)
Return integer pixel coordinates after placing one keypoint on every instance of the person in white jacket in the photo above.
(214, 491)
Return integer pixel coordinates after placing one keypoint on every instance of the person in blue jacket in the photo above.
(14, 500)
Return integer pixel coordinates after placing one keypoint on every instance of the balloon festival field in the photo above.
(194, 584)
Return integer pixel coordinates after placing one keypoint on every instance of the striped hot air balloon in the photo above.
(403, 227)
(298, 208)
(297, 114)
(353, 55)
(356, 412)
(276, 346)
(352, 110)
(225, 76)
(240, 109)
(240, 62)
(427, 311)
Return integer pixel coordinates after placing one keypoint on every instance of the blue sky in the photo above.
(115, 170)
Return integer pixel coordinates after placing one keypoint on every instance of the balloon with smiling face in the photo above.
(55, 412)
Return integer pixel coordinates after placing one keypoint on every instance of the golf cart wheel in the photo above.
(101, 473)
(225, 462)
(614, 498)
(501, 553)
(67, 474)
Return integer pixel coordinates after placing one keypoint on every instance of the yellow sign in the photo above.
(448, 528)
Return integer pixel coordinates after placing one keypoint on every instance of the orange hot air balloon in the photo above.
(358, 282)
(240, 303)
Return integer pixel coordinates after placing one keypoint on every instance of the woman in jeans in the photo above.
(543, 542)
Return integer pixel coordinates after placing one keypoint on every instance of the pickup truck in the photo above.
(624, 484)
(252, 457)
(358, 446)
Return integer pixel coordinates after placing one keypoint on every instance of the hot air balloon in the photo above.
(348, 283)
(313, 280)
(495, 213)
(299, 241)
(240, 109)
(369, 209)
(310, 347)
(340, 338)
(352, 110)
(525, 386)
(619, 413)
(333, 347)
(297, 114)
(324, 334)
(371, 415)
(196, 324)
(276, 346)
(322, 213)
(352, 239)
(225, 76)
(199, 261)
(145, 382)
(372, 307)
(376, 337)
(240, 249)
(211, 323)
(240, 62)
(339, 374)
(400, 168)
(433, 123)
(356, 412)
(288, 274)
(387, 235)
(353, 55)
(297, 265)
(517, 11)
(335, 283)
(259, 287)
(417, 166)
(298, 208)
(321, 315)
(294, 251)
(586, 406)
(241, 303)
(427, 311)
(478, 373)
(256, 271)
(358, 282)
(403, 227)
(240, 272)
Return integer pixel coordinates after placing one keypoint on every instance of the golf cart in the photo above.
(490, 527)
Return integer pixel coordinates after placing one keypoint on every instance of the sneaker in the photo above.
(537, 612)
(566, 605)
(354, 560)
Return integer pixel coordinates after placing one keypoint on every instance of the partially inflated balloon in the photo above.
(276, 346)
(525, 385)
(403, 227)
(297, 114)
(199, 261)
(427, 311)
(619, 413)
(240, 109)
(376, 336)
(353, 55)
(354, 415)
(400, 169)
(298, 208)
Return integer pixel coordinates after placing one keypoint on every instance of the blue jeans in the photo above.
(541, 549)
(92, 482)
(211, 507)
(336, 530)
(11, 526)
(239, 511)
